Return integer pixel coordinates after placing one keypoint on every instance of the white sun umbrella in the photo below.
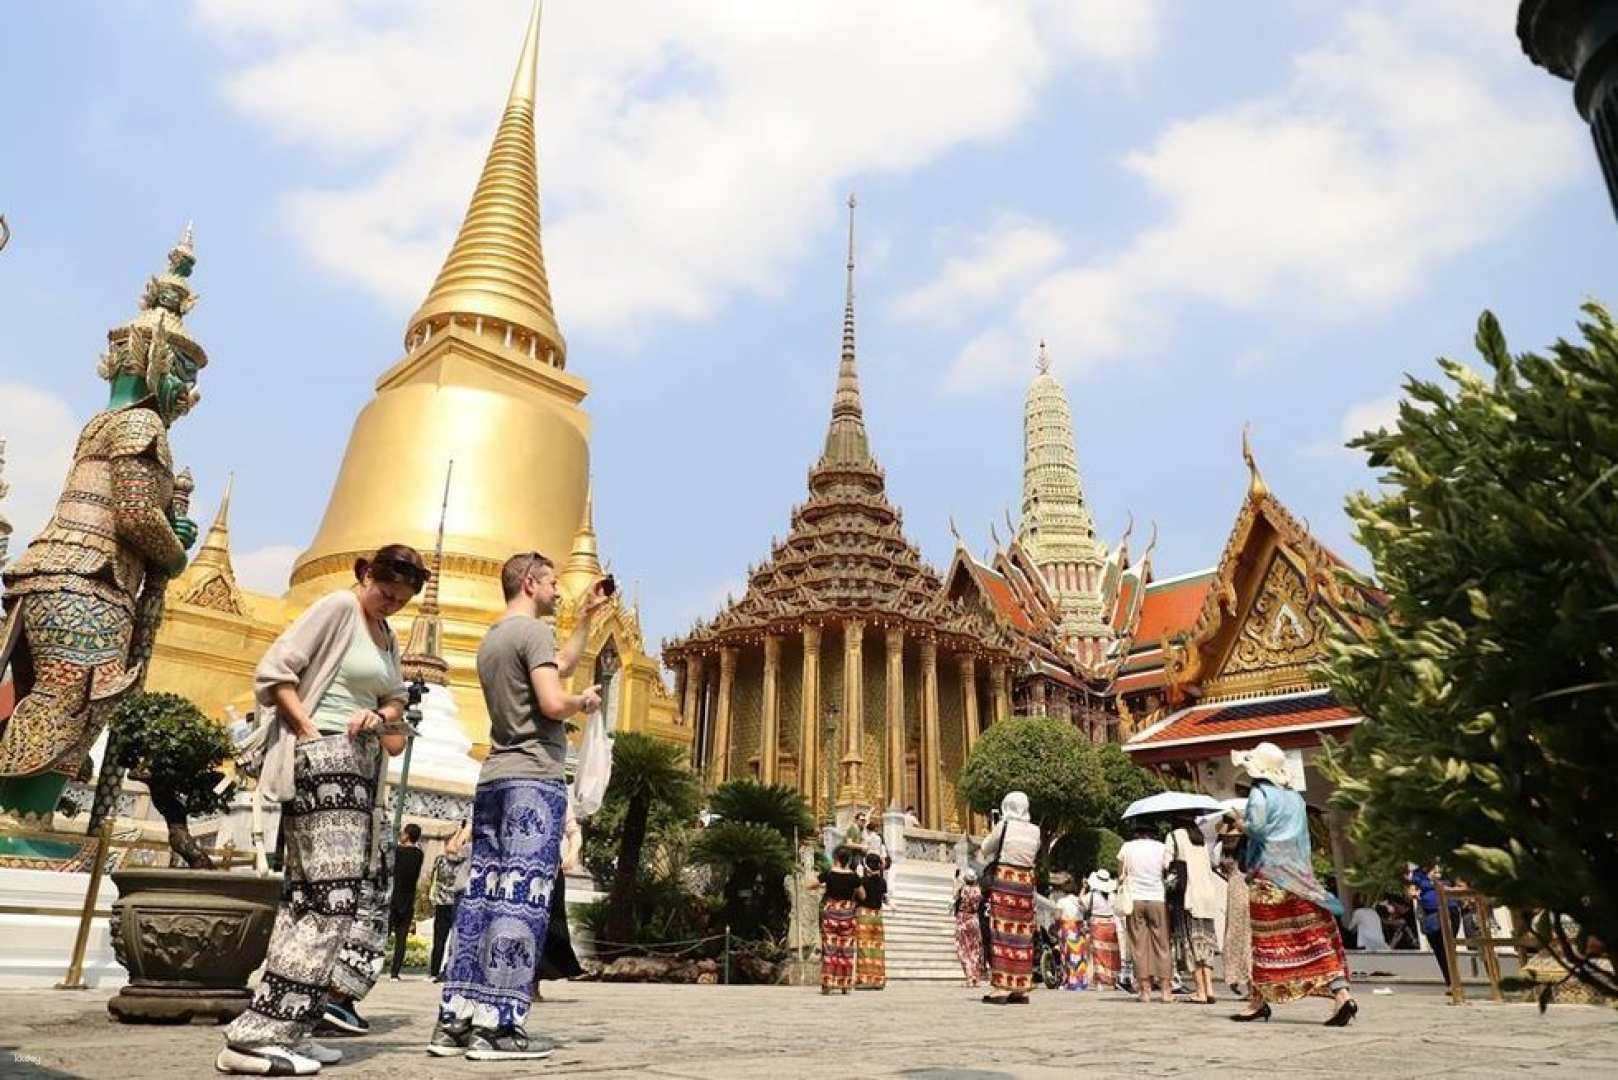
(1172, 802)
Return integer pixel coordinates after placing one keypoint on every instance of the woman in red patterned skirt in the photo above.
(1096, 901)
(837, 924)
(1297, 948)
(968, 935)
(1012, 847)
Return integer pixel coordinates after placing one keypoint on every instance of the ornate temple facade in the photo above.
(846, 669)
(484, 383)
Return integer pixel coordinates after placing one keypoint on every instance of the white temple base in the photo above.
(39, 919)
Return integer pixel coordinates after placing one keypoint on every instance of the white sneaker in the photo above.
(326, 1055)
(265, 1061)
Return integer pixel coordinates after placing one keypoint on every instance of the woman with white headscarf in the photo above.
(1297, 948)
(1011, 847)
(968, 934)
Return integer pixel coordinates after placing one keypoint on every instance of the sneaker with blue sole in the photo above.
(343, 1017)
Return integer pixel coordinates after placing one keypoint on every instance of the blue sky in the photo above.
(1212, 220)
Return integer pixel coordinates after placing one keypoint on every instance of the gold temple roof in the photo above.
(496, 269)
(846, 556)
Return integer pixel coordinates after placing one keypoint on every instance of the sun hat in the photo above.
(1266, 761)
(1101, 881)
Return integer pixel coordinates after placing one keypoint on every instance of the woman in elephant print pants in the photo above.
(333, 679)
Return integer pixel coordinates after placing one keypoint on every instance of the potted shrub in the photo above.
(189, 935)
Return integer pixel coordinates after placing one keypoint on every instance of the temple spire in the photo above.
(583, 564)
(424, 650)
(215, 550)
(495, 272)
(846, 440)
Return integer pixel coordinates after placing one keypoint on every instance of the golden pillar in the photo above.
(770, 736)
(1001, 692)
(1039, 697)
(809, 724)
(853, 711)
(692, 703)
(896, 718)
(969, 699)
(719, 769)
(932, 804)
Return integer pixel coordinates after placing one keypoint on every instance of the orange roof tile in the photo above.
(1126, 594)
(1150, 679)
(1250, 719)
(1000, 593)
(1172, 608)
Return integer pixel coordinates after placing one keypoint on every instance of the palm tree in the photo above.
(645, 771)
(752, 859)
(777, 806)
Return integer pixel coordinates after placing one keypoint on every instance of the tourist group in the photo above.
(1239, 881)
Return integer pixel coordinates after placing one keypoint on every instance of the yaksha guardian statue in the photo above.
(73, 602)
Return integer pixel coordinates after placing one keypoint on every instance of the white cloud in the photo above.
(1008, 254)
(265, 570)
(1392, 149)
(1374, 415)
(1362, 416)
(690, 151)
(40, 430)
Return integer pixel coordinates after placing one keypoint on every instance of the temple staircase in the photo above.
(919, 925)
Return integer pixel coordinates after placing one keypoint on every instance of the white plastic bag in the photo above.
(594, 768)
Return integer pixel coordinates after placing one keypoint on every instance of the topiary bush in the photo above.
(167, 742)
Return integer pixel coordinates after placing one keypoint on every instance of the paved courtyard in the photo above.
(916, 1031)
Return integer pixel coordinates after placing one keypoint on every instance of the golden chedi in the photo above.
(483, 382)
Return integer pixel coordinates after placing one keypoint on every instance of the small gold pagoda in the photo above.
(484, 381)
(845, 669)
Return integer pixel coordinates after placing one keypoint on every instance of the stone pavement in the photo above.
(918, 1031)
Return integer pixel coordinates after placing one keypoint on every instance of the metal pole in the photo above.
(74, 979)
(413, 718)
(727, 954)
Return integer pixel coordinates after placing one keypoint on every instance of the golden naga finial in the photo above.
(1256, 488)
(953, 531)
(5, 233)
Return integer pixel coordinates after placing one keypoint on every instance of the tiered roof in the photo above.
(846, 555)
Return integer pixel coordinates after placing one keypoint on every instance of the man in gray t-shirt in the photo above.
(518, 816)
(523, 741)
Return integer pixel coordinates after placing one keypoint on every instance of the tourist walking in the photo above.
(518, 814)
(968, 934)
(1141, 863)
(1203, 905)
(870, 964)
(443, 889)
(332, 681)
(838, 921)
(1423, 889)
(1074, 937)
(1237, 953)
(1095, 903)
(407, 859)
(1011, 848)
(1297, 948)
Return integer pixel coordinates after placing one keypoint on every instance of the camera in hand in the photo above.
(608, 585)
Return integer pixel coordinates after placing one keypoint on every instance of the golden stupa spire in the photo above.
(846, 440)
(584, 561)
(424, 651)
(495, 273)
(215, 551)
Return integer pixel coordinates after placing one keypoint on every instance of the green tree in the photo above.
(1047, 759)
(171, 745)
(778, 806)
(751, 861)
(646, 772)
(1126, 782)
(1488, 672)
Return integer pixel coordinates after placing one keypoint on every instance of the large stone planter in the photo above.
(189, 940)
